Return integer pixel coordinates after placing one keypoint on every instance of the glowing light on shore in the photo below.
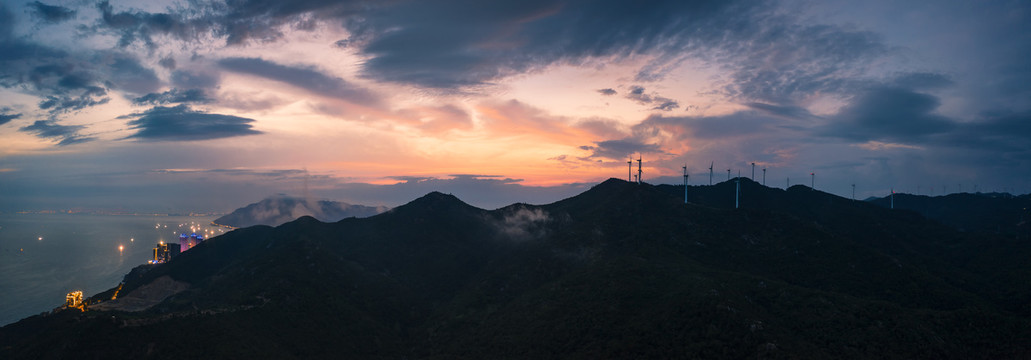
(121, 248)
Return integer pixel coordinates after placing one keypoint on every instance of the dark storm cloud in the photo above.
(66, 82)
(126, 73)
(167, 63)
(454, 44)
(922, 80)
(65, 134)
(889, 114)
(786, 111)
(62, 104)
(180, 123)
(302, 77)
(141, 26)
(436, 44)
(638, 95)
(174, 96)
(51, 13)
(620, 149)
(783, 61)
(1005, 134)
(196, 79)
(6, 116)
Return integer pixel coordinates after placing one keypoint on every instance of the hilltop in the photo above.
(996, 213)
(275, 211)
(620, 271)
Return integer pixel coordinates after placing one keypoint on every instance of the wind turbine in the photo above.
(685, 183)
(728, 174)
(764, 176)
(813, 186)
(638, 169)
(753, 171)
(629, 169)
(710, 172)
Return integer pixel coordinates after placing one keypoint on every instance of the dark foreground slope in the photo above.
(620, 271)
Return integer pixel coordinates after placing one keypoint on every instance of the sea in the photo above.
(43, 257)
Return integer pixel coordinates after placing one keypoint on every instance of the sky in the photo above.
(210, 105)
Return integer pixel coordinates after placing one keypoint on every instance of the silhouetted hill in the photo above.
(974, 212)
(620, 271)
(275, 211)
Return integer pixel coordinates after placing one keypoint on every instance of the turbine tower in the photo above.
(737, 190)
(764, 176)
(728, 174)
(853, 192)
(813, 186)
(638, 169)
(630, 169)
(710, 172)
(685, 183)
(892, 198)
(753, 171)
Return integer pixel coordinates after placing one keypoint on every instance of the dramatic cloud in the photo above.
(620, 149)
(889, 113)
(61, 104)
(51, 13)
(777, 61)
(786, 111)
(174, 96)
(551, 91)
(194, 79)
(126, 73)
(6, 117)
(142, 26)
(65, 134)
(661, 103)
(455, 44)
(1005, 134)
(303, 77)
(180, 123)
(922, 80)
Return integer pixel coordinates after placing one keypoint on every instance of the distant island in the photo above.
(278, 210)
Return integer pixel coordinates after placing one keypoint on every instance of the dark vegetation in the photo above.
(996, 213)
(620, 271)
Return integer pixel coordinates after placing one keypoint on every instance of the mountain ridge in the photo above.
(621, 270)
(277, 210)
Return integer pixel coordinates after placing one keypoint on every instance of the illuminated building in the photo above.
(162, 253)
(188, 242)
(74, 300)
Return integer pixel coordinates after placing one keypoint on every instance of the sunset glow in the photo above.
(216, 105)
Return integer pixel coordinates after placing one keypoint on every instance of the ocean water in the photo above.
(45, 256)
